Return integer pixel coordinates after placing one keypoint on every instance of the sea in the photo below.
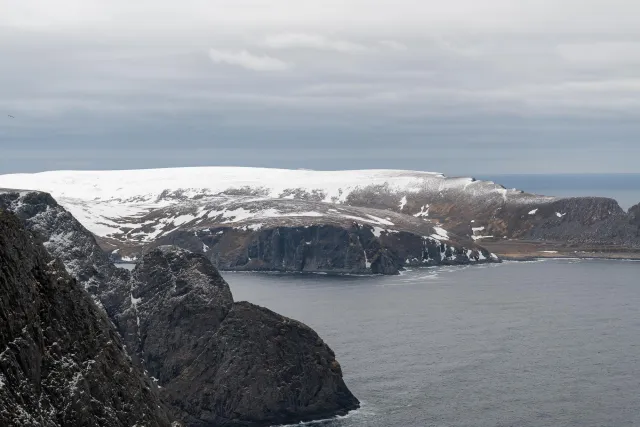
(519, 344)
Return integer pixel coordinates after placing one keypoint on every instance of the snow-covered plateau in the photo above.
(136, 209)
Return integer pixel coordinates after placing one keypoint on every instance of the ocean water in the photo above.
(549, 343)
(625, 188)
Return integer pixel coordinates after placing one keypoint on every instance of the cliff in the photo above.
(173, 313)
(62, 362)
(221, 363)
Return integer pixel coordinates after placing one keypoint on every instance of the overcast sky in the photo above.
(457, 86)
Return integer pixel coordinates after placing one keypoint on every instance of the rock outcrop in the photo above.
(69, 241)
(353, 249)
(221, 363)
(62, 362)
(177, 319)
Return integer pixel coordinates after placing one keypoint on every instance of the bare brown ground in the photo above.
(524, 250)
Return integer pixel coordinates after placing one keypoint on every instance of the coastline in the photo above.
(521, 250)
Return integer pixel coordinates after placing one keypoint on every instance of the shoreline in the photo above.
(520, 250)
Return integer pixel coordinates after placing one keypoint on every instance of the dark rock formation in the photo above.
(634, 216)
(220, 363)
(301, 235)
(67, 240)
(178, 300)
(356, 249)
(62, 363)
(176, 316)
(264, 369)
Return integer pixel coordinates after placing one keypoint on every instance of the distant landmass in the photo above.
(366, 221)
(623, 187)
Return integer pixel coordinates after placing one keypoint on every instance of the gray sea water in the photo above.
(550, 343)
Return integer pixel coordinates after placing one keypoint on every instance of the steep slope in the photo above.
(69, 241)
(170, 314)
(237, 389)
(62, 362)
(226, 364)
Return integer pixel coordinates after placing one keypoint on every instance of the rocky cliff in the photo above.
(174, 313)
(69, 241)
(245, 233)
(62, 362)
(335, 248)
(221, 363)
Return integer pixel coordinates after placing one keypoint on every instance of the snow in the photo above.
(380, 220)
(107, 202)
(403, 202)
(149, 185)
(533, 212)
(371, 220)
(424, 212)
(377, 231)
(440, 234)
(366, 260)
(183, 219)
(504, 193)
(476, 236)
(480, 237)
(560, 215)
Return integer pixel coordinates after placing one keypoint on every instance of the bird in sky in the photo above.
(10, 116)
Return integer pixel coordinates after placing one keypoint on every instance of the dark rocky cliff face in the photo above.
(62, 363)
(178, 300)
(589, 221)
(585, 221)
(221, 363)
(634, 216)
(323, 248)
(178, 320)
(237, 387)
(67, 240)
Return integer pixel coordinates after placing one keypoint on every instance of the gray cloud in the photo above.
(459, 86)
(313, 41)
(248, 60)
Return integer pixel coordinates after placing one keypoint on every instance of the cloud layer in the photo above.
(248, 60)
(461, 86)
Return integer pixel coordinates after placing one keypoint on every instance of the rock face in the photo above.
(177, 318)
(331, 248)
(249, 359)
(306, 236)
(62, 363)
(226, 364)
(178, 300)
(67, 240)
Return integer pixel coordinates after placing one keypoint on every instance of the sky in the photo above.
(461, 87)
